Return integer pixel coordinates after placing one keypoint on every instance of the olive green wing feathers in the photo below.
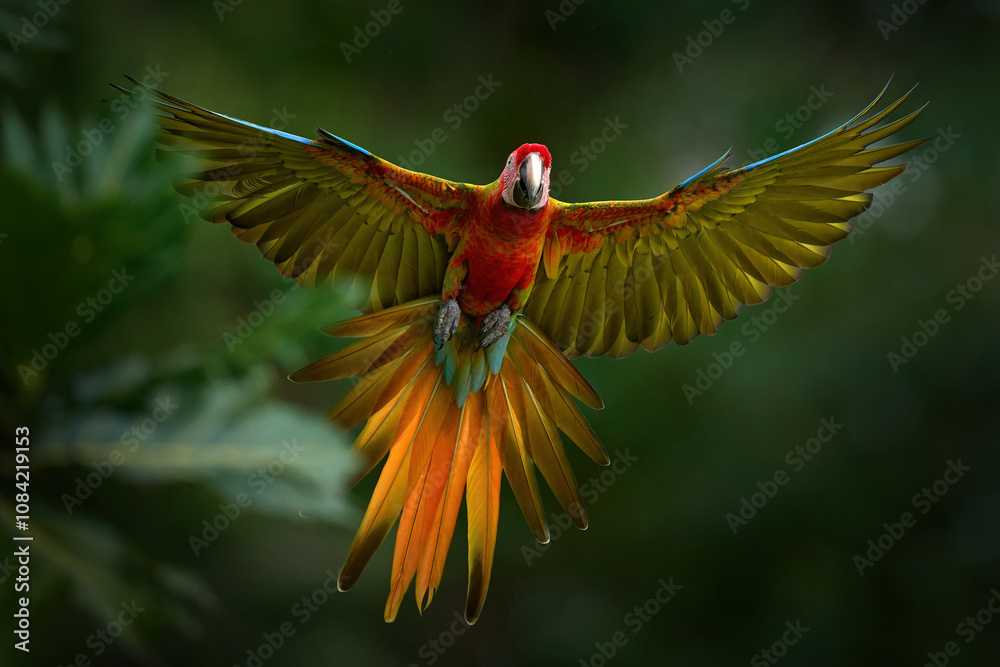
(323, 210)
(615, 276)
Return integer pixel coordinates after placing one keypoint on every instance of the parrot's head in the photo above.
(524, 182)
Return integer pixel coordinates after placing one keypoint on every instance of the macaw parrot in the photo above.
(476, 297)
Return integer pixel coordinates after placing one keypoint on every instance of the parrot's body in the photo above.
(476, 297)
(499, 251)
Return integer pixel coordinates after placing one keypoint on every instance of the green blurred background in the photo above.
(155, 415)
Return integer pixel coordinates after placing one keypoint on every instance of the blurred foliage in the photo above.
(85, 204)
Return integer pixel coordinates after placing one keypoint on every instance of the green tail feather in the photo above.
(496, 351)
(466, 365)
(478, 373)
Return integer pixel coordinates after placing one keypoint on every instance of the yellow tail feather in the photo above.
(438, 451)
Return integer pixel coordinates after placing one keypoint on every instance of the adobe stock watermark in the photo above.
(247, 325)
(59, 340)
(957, 298)
(432, 650)
(302, 611)
(796, 458)
(36, 22)
(140, 432)
(262, 310)
(562, 12)
(590, 492)
(635, 620)
(92, 137)
(453, 117)
(258, 481)
(900, 14)
(103, 638)
(697, 44)
(363, 35)
(923, 501)
(210, 192)
(223, 7)
(587, 153)
(885, 197)
(752, 329)
(787, 125)
(779, 648)
(968, 629)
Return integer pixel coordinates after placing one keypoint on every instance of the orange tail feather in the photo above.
(439, 451)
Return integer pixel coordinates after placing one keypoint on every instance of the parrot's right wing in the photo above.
(320, 210)
(617, 275)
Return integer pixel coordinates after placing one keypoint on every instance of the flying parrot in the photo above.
(476, 297)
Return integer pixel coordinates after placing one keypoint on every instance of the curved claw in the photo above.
(495, 325)
(447, 321)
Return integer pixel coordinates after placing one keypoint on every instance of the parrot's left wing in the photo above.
(320, 210)
(617, 275)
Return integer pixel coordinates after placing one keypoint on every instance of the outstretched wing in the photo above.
(320, 210)
(617, 275)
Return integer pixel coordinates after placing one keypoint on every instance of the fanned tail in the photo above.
(448, 422)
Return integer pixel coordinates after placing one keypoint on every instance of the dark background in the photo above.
(169, 342)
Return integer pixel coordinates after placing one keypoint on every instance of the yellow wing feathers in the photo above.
(321, 210)
(619, 275)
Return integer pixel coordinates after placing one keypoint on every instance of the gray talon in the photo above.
(495, 325)
(447, 321)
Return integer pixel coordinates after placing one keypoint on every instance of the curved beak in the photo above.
(530, 172)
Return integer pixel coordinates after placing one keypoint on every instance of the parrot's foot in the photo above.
(446, 325)
(495, 325)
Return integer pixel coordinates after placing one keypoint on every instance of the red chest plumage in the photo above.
(502, 248)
